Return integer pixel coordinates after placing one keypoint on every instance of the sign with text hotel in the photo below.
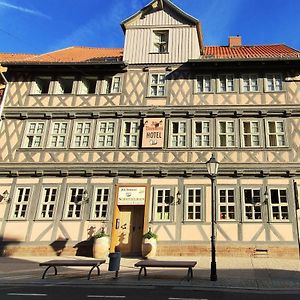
(153, 133)
(131, 195)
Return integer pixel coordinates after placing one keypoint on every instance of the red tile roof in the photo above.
(244, 52)
(73, 54)
(87, 54)
(4, 57)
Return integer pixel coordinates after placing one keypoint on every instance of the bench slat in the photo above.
(80, 263)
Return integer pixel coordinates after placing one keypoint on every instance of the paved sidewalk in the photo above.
(233, 272)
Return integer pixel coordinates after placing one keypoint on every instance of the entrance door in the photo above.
(130, 231)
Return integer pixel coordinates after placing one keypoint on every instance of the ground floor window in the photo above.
(74, 203)
(21, 202)
(162, 200)
(193, 204)
(279, 204)
(47, 204)
(226, 203)
(100, 203)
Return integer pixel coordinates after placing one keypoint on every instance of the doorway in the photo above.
(129, 231)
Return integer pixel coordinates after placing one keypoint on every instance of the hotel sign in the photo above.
(131, 195)
(153, 133)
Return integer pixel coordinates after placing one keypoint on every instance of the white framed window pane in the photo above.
(162, 200)
(20, 203)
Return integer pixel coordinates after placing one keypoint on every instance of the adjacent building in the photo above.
(117, 139)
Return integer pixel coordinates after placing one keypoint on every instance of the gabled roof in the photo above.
(244, 52)
(90, 55)
(160, 5)
(67, 55)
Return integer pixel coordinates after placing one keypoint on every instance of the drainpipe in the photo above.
(2, 70)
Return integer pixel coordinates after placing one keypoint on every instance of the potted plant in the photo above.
(101, 245)
(149, 244)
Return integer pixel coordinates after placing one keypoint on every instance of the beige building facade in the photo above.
(118, 140)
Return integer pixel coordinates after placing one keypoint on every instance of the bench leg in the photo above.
(140, 272)
(55, 270)
(91, 270)
(190, 274)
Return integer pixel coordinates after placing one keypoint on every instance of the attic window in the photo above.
(160, 41)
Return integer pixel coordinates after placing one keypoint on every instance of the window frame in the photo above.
(226, 75)
(41, 202)
(156, 49)
(74, 134)
(15, 203)
(279, 205)
(194, 134)
(155, 204)
(250, 78)
(97, 133)
(273, 75)
(171, 134)
(267, 133)
(218, 133)
(196, 84)
(101, 203)
(252, 205)
(122, 133)
(251, 134)
(68, 202)
(186, 204)
(26, 134)
(51, 134)
(105, 85)
(157, 85)
(226, 204)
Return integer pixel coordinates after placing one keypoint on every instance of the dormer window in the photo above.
(160, 41)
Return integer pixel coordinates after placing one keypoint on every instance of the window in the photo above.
(157, 85)
(226, 134)
(41, 85)
(226, 83)
(201, 134)
(87, 86)
(279, 204)
(100, 204)
(250, 132)
(47, 204)
(160, 41)
(204, 84)
(274, 82)
(64, 85)
(130, 134)
(252, 204)
(34, 135)
(162, 200)
(178, 133)
(194, 204)
(74, 203)
(226, 204)
(20, 207)
(81, 136)
(249, 83)
(112, 85)
(105, 134)
(276, 134)
(58, 134)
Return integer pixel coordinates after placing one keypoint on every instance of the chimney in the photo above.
(235, 41)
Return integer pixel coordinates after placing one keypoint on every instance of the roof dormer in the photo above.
(161, 33)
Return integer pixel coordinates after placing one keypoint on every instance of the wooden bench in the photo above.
(143, 264)
(93, 263)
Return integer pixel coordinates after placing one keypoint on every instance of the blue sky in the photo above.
(39, 26)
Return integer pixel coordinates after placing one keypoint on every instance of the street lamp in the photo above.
(212, 168)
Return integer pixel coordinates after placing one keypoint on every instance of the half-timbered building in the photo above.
(96, 138)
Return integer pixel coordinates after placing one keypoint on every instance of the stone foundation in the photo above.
(164, 250)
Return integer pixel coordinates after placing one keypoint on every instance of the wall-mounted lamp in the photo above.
(173, 201)
(4, 197)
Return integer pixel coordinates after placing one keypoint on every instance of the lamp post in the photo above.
(212, 168)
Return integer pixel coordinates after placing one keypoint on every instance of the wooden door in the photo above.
(130, 230)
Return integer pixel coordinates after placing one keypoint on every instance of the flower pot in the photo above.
(149, 247)
(101, 247)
